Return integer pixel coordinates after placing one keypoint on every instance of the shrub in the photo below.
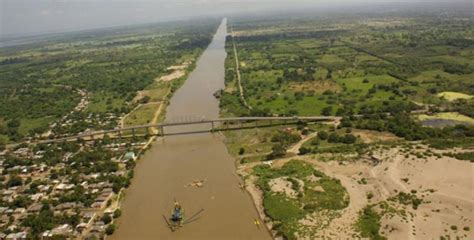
(304, 150)
(370, 195)
(323, 135)
(285, 138)
(106, 218)
(333, 138)
(327, 111)
(278, 150)
(110, 229)
(117, 213)
(348, 139)
(368, 224)
(14, 181)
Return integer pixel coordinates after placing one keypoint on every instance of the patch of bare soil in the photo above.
(139, 96)
(296, 147)
(282, 185)
(177, 71)
(445, 211)
(445, 186)
(368, 136)
(172, 76)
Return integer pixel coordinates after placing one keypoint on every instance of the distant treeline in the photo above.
(291, 35)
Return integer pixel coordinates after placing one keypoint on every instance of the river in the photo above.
(163, 172)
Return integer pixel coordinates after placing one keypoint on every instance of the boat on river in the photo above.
(177, 218)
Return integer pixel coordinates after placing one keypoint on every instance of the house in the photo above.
(103, 198)
(81, 226)
(36, 197)
(129, 156)
(94, 235)
(43, 188)
(62, 230)
(89, 216)
(46, 235)
(16, 236)
(64, 187)
(22, 152)
(65, 206)
(35, 207)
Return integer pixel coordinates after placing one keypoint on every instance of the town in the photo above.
(65, 190)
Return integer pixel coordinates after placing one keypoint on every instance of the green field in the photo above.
(142, 115)
(347, 65)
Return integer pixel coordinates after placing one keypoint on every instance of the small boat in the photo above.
(177, 220)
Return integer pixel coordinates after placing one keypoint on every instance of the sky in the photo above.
(29, 17)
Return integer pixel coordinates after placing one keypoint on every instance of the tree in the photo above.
(14, 123)
(145, 99)
(14, 181)
(304, 150)
(326, 111)
(333, 138)
(285, 138)
(110, 229)
(346, 122)
(106, 218)
(278, 150)
(323, 135)
(117, 213)
(349, 139)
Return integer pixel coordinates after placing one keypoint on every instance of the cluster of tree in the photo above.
(45, 86)
(47, 220)
(457, 69)
(391, 107)
(32, 102)
(14, 181)
(13, 60)
(282, 140)
(402, 125)
(336, 138)
(393, 87)
(307, 74)
(78, 195)
(285, 138)
(325, 34)
(92, 161)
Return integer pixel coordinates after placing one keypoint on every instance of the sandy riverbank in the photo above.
(446, 186)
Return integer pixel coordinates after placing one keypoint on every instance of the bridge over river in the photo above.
(210, 125)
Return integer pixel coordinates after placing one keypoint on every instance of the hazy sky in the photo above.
(19, 17)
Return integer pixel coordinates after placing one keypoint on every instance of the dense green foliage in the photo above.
(41, 82)
(46, 220)
(368, 224)
(403, 126)
(286, 211)
(351, 65)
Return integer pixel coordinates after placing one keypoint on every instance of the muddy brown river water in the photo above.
(163, 172)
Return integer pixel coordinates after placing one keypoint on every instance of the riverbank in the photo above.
(176, 161)
(441, 183)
